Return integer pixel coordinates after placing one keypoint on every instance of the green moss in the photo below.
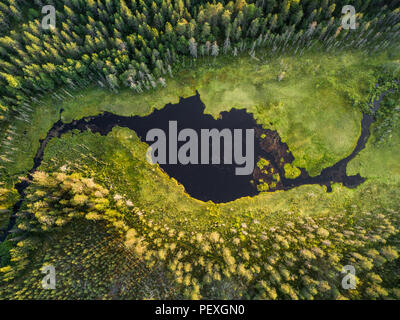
(378, 162)
(291, 171)
(262, 163)
(319, 89)
(263, 187)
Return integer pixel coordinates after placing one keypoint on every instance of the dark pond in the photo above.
(217, 183)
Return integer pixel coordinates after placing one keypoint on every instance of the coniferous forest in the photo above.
(115, 226)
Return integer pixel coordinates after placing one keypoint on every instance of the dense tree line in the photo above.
(135, 43)
(297, 258)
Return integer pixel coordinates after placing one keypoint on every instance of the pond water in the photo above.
(217, 183)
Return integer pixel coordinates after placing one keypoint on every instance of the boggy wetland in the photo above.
(218, 182)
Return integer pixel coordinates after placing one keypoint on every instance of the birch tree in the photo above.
(227, 45)
(193, 47)
(214, 49)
